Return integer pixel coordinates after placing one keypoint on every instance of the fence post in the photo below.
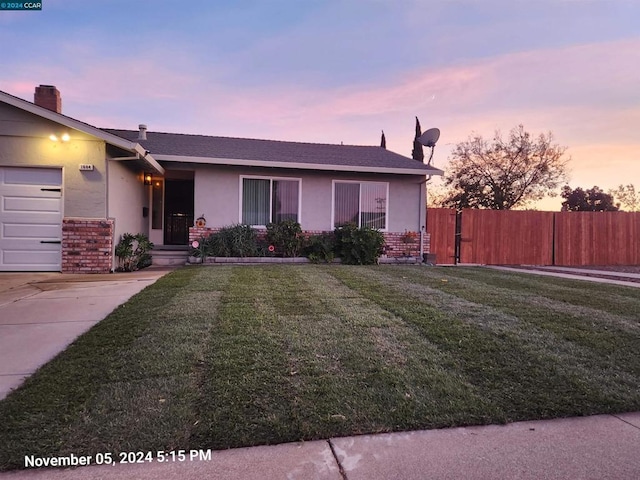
(553, 240)
(458, 237)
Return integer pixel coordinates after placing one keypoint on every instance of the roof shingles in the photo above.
(202, 146)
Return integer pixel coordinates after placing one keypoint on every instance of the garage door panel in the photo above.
(30, 219)
(25, 257)
(28, 230)
(32, 176)
(37, 190)
(30, 204)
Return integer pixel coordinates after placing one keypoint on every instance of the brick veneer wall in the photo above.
(198, 232)
(397, 244)
(87, 245)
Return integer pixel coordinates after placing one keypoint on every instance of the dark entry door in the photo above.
(178, 212)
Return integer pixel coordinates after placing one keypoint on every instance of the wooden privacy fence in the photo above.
(597, 238)
(516, 237)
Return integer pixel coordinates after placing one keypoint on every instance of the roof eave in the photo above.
(148, 158)
(69, 122)
(300, 166)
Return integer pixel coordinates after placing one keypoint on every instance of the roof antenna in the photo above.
(429, 139)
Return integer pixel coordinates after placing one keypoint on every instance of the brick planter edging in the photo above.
(257, 260)
(299, 260)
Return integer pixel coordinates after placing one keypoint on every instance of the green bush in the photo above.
(199, 248)
(358, 246)
(286, 237)
(233, 241)
(320, 248)
(133, 252)
(265, 249)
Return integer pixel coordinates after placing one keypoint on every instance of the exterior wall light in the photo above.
(64, 137)
(147, 179)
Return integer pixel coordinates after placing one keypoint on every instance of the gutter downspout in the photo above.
(423, 215)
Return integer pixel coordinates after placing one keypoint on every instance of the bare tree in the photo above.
(437, 195)
(502, 174)
(628, 198)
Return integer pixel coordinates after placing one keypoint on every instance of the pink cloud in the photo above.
(587, 95)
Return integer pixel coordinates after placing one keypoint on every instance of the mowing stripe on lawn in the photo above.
(602, 372)
(323, 351)
(368, 345)
(615, 299)
(159, 376)
(244, 395)
(525, 383)
(614, 337)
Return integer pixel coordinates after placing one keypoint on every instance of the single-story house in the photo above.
(69, 190)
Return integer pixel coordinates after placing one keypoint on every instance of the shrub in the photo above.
(199, 248)
(265, 249)
(233, 241)
(286, 237)
(320, 248)
(358, 246)
(133, 252)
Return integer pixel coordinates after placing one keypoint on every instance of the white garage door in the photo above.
(30, 219)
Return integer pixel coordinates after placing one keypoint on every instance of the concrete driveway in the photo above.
(42, 313)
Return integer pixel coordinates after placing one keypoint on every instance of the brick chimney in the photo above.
(48, 96)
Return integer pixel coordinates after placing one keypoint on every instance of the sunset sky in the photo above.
(336, 71)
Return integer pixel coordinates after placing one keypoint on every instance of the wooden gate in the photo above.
(506, 237)
(441, 225)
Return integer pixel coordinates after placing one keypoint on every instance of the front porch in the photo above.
(169, 255)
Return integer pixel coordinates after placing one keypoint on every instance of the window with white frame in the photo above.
(266, 200)
(362, 203)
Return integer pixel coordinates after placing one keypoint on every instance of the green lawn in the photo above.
(219, 357)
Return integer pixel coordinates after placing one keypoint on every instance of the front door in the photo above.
(178, 211)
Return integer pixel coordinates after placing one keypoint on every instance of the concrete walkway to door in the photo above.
(42, 313)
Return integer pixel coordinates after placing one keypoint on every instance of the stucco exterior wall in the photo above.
(24, 142)
(217, 196)
(126, 197)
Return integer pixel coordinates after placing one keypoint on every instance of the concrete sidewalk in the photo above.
(575, 274)
(42, 313)
(598, 447)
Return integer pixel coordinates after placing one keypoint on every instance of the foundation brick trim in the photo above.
(87, 245)
(397, 244)
(405, 244)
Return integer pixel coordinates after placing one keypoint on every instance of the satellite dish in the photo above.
(430, 137)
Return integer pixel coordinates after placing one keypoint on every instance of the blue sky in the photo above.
(343, 70)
